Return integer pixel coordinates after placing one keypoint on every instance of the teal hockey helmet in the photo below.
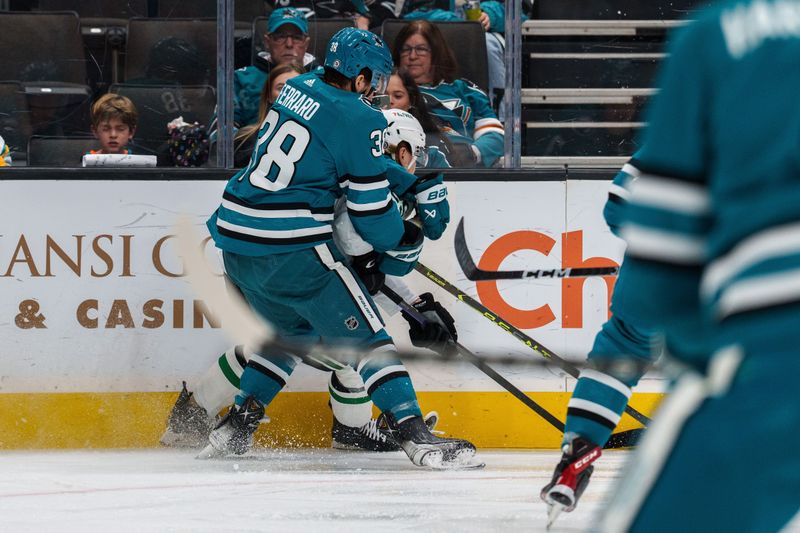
(350, 50)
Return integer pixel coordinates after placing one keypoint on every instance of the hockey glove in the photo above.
(433, 208)
(401, 260)
(366, 268)
(440, 328)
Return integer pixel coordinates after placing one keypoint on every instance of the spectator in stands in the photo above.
(245, 140)
(286, 41)
(491, 17)
(421, 49)
(404, 94)
(114, 119)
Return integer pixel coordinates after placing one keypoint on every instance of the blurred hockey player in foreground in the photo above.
(600, 397)
(713, 233)
(192, 417)
(320, 141)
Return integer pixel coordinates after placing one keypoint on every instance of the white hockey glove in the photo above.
(440, 328)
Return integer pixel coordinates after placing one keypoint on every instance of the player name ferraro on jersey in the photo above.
(297, 101)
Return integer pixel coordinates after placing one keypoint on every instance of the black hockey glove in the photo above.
(440, 328)
(366, 268)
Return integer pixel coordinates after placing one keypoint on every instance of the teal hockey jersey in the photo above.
(618, 195)
(464, 108)
(316, 144)
(713, 222)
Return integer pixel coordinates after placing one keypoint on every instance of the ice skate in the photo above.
(374, 436)
(570, 478)
(188, 425)
(234, 433)
(426, 449)
(369, 437)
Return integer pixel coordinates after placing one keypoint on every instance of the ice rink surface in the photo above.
(286, 491)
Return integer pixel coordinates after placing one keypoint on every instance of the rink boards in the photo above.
(99, 327)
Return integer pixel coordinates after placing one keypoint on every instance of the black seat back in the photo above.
(243, 10)
(44, 151)
(100, 9)
(42, 47)
(160, 51)
(15, 120)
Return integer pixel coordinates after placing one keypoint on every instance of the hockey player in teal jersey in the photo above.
(321, 140)
(713, 234)
(191, 419)
(601, 395)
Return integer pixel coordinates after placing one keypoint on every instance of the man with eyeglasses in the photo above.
(286, 41)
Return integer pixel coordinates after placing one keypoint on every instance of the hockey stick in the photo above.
(568, 367)
(474, 273)
(409, 311)
(244, 326)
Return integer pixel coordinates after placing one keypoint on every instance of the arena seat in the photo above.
(56, 151)
(15, 120)
(57, 54)
(243, 10)
(158, 105)
(161, 51)
(102, 12)
(319, 30)
(466, 39)
(103, 26)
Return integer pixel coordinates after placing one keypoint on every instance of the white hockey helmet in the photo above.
(402, 126)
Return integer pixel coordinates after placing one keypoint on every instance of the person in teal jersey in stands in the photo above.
(286, 41)
(713, 238)
(457, 103)
(274, 227)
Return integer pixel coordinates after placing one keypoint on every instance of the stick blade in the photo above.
(465, 260)
(241, 324)
(467, 263)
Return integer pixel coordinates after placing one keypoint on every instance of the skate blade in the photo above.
(209, 452)
(474, 465)
(171, 439)
(553, 512)
(434, 461)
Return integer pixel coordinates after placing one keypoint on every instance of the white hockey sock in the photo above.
(220, 384)
(349, 399)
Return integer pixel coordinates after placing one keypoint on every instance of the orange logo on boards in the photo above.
(571, 288)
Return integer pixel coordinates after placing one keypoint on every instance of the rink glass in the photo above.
(169, 68)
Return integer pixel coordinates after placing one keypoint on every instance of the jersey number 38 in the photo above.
(279, 152)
